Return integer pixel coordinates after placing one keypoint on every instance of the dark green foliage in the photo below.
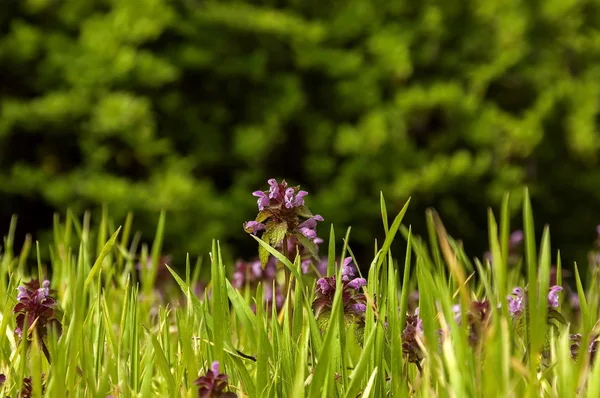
(188, 105)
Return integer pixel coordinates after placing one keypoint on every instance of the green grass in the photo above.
(151, 334)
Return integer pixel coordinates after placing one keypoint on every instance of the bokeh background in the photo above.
(190, 105)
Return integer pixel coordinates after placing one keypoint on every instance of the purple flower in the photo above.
(457, 312)
(598, 230)
(516, 238)
(263, 199)
(307, 228)
(2, 379)
(357, 283)
(354, 302)
(515, 301)
(213, 384)
(324, 286)
(294, 200)
(253, 226)
(347, 270)
(273, 188)
(553, 295)
(36, 305)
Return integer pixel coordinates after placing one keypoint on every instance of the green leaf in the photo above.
(263, 215)
(276, 231)
(308, 245)
(263, 253)
(303, 211)
(98, 264)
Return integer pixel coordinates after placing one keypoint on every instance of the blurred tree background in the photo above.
(190, 105)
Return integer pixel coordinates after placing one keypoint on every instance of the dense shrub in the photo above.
(189, 105)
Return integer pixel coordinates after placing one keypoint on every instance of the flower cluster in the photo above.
(283, 214)
(35, 304)
(412, 334)
(213, 384)
(517, 301)
(354, 302)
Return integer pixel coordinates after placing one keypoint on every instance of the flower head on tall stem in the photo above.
(283, 215)
(412, 334)
(354, 302)
(35, 304)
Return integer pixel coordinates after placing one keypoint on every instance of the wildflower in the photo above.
(263, 199)
(354, 303)
(576, 345)
(282, 216)
(2, 379)
(308, 227)
(553, 296)
(36, 305)
(516, 238)
(292, 200)
(515, 304)
(457, 313)
(516, 301)
(213, 384)
(254, 226)
(412, 334)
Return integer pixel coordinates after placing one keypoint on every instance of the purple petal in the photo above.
(215, 367)
(553, 295)
(256, 226)
(457, 312)
(274, 188)
(256, 269)
(347, 270)
(358, 307)
(263, 199)
(598, 229)
(357, 283)
(309, 233)
(324, 286)
(516, 238)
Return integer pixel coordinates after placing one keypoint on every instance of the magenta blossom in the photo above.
(282, 216)
(308, 227)
(553, 296)
(254, 226)
(35, 304)
(515, 301)
(353, 302)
